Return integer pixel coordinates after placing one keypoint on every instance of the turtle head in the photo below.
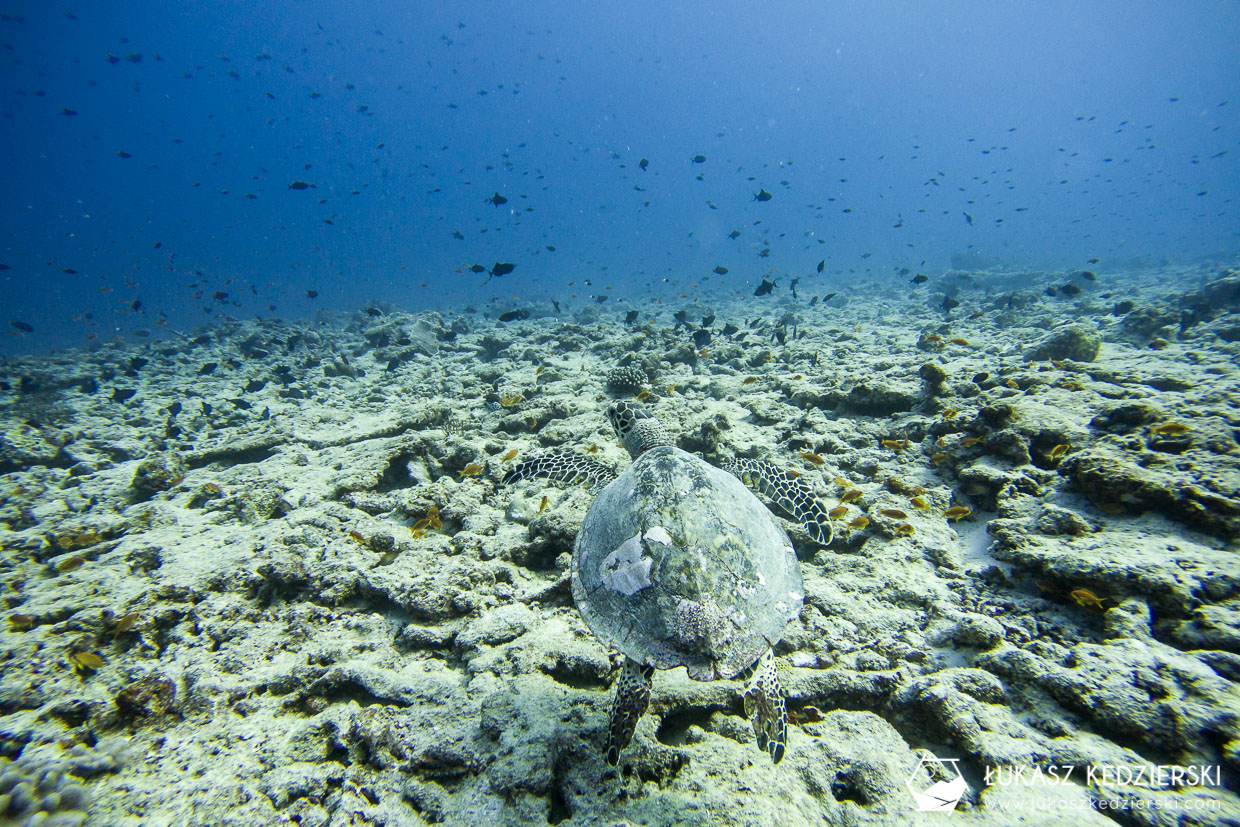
(636, 427)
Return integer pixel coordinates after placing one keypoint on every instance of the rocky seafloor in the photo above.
(268, 573)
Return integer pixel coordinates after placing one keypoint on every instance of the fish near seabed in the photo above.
(763, 195)
(765, 288)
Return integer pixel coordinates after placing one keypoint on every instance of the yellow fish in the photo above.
(1087, 599)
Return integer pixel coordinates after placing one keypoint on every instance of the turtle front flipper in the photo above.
(764, 704)
(788, 492)
(564, 467)
(632, 698)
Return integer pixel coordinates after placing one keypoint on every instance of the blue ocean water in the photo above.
(168, 165)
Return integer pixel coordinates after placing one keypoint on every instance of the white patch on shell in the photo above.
(658, 534)
(625, 570)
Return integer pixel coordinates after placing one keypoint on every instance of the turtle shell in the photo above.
(679, 564)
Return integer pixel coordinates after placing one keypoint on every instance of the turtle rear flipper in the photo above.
(564, 467)
(764, 704)
(790, 493)
(632, 698)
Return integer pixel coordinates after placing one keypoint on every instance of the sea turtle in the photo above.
(677, 563)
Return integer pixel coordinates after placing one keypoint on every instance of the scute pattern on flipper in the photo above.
(788, 492)
(564, 467)
(628, 706)
(765, 707)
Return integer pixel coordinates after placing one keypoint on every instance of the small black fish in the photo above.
(457, 235)
(735, 234)
(721, 269)
(1088, 275)
(630, 317)
(729, 329)
(968, 218)
(135, 305)
(550, 248)
(600, 299)
(514, 314)
(121, 394)
(502, 268)
(828, 297)
(300, 185)
(557, 305)
(497, 199)
(920, 278)
(219, 295)
(765, 288)
(207, 368)
(477, 268)
(1093, 261)
(241, 403)
(763, 195)
(949, 303)
(120, 153)
(24, 327)
(643, 163)
(372, 312)
(1069, 289)
(701, 337)
(707, 321)
(255, 385)
(822, 265)
(813, 300)
(1052, 292)
(680, 317)
(793, 287)
(312, 294)
(697, 159)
